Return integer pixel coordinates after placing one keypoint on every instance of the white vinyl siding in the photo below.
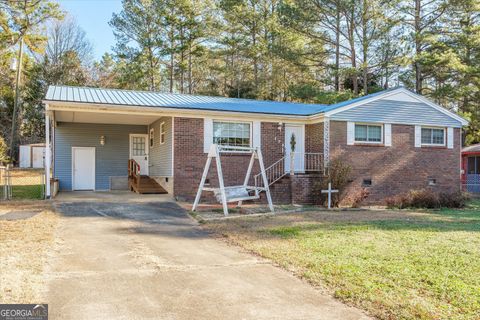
(397, 112)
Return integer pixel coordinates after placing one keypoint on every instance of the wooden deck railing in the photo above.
(134, 173)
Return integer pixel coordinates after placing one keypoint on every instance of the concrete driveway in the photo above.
(131, 260)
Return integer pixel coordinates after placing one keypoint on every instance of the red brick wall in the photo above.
(398, 168)
(306, 188)
(314, 137)
(189, 159)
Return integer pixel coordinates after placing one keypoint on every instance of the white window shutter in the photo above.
(207, 134)
(418, 136)
(350, 133)
(388, 134)
(450, 138)
(256, 134)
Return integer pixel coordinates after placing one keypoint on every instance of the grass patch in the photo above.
(27, 192)
(394, 264)
(285, 232)
(24, 245)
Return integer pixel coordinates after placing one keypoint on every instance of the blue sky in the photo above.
(93, 17)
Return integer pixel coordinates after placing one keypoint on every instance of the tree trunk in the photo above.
(365, 44)
(337, 50)
(190, 84)
(418, 48)
(152, 70)
(17, 97)
(182, 61)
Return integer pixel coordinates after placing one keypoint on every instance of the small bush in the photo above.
(356, 198)
(424, 198)
(453, 200)
(338, 174)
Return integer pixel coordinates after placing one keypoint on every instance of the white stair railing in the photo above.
(274, 173)
(312, 162)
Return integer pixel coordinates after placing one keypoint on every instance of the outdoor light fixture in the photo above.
(280, 124)
(102, 140)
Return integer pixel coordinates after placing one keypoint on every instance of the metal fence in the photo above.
(21, 183)
(471, 183)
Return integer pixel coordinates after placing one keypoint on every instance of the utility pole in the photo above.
(17, 95)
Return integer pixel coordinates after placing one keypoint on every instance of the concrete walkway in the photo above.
(130, 260)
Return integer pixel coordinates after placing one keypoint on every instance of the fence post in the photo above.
(9, 182)
(48, 154)
(3, 181)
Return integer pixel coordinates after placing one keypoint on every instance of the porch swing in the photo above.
(238, 193)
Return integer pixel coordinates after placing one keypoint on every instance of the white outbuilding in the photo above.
(32, 155)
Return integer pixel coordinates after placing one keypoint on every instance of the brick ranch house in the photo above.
(393, 141)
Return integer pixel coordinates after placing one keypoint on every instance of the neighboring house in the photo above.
(471, 168)
(393, 140)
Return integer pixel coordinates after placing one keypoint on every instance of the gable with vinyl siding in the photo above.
(398, 109)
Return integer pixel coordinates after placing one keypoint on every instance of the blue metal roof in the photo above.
(187, 101)
(181, 101)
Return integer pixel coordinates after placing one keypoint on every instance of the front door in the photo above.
(297, 132)
(83, 166)
(139, 151)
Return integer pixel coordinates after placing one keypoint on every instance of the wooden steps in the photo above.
(146, 185)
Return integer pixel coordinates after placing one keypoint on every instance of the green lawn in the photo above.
(394, 264)
(27, 192)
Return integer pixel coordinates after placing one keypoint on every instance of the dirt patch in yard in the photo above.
(25, 246)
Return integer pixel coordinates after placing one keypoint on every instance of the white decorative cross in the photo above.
(329, 191)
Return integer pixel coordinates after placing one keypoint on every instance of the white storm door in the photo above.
(139, 151)
(83, 167)
(299, 154)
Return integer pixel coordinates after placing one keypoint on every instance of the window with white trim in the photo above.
(152, 135)
(433, 136)
(368, 133)
(232, 133)
(162, 132)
